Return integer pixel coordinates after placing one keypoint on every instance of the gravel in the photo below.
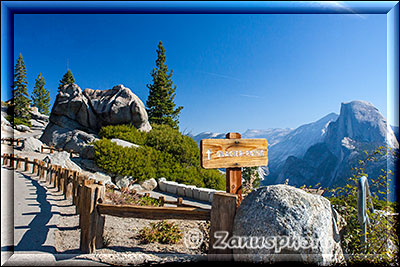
(123, 247)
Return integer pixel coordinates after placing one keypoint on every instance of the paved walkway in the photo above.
(28, 226)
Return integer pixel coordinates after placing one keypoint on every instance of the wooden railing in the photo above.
(17, 141)
(12, 140)
(88, 196)
(52, 149)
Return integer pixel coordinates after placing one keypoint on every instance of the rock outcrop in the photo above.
(78, 115)
(284, 223)
(360, 127)
(62, 159)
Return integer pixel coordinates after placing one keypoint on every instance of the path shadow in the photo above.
(35, 237)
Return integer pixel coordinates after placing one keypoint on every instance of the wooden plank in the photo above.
(223, 212)
(233, 153)
(154, 213)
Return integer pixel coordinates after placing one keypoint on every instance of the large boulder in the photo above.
(31, 144)
(36, 115)
(62, 159)
(78, 115)
(286, 224)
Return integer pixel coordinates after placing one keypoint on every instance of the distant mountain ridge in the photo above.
(323, 151)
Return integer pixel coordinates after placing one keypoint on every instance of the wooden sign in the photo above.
(233, 153)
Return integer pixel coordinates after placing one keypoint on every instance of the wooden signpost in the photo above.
(233, 153)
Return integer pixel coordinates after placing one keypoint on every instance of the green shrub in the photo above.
(162, 232)
(183, 148)
(163, 152)
(18, 121)
(125, 132)
(125, 161)
(383, 229)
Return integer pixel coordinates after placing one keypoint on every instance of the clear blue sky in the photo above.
(233, 72)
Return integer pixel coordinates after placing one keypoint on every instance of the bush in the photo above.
(162, 232)
(18, 121)
(163, 152)
(125, 132)
(183, 148)
(382, 230)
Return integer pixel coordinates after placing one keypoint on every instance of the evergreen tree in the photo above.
(20, 91)
(40, 97)
(68, 78)
(160, 102)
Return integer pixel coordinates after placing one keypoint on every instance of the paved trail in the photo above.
(29, 228)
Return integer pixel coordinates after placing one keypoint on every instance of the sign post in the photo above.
(234, 175)
(233, 153)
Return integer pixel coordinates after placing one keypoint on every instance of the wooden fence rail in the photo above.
(12, 140)
(51, 149)
(88, 196)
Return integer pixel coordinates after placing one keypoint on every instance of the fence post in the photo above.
(19, 160)
(69, 185)
(80, 205)
(53, 174)
(5, 159)
(223, 212)
(57, 176)
(34, 168)
(92, 223)
(12, 161)
(61, 181)
(74, 187)
(41, 170)
(26, 164)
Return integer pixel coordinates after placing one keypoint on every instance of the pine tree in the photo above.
(160, 102)
(20, 91)
(40, 97)
(68, 78)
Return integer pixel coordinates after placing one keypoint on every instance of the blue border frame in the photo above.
(390, 8)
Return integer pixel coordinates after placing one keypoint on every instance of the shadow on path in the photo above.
(36, 236)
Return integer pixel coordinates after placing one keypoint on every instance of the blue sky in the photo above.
(233, 72)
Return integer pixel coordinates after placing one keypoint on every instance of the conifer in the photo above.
(20, 92)
(68, 78)
(160, 102)
(40, 97)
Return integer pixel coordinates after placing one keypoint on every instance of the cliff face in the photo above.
(360, 127)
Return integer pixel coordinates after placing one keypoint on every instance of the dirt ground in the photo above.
(122, 244)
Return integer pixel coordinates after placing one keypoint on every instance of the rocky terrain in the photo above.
(66, 129)
(77, 116)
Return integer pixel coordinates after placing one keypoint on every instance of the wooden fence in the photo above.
(88, 196)
(11, 141)
(51, 149)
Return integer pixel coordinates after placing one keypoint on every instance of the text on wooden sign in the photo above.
(233, 153)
